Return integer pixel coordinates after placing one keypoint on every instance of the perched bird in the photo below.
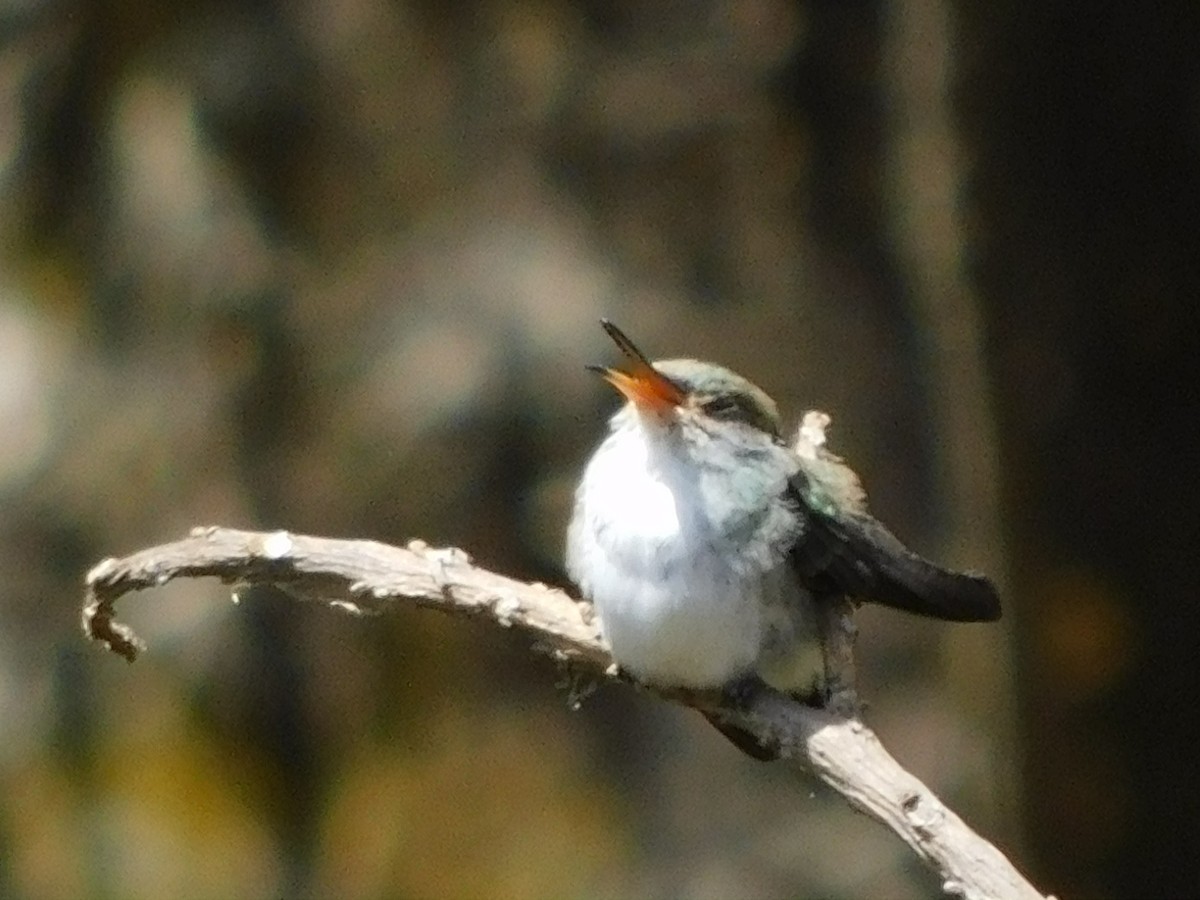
(705, 541)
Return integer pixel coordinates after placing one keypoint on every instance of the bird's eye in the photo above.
(723, 406)
(738, 408)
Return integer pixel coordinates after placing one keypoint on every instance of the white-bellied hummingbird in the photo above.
(706, 542)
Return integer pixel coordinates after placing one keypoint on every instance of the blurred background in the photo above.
(335, 266)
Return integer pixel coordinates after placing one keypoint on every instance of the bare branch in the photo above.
(365, 576)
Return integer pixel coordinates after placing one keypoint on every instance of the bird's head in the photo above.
(671, 390)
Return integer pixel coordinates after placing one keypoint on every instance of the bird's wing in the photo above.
(843, 550)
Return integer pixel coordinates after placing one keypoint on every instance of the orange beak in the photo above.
(643, 385)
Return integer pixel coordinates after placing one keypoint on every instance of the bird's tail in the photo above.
(744, 740)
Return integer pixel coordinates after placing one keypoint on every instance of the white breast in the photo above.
(672, 606)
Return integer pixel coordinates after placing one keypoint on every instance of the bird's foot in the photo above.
(817, 696)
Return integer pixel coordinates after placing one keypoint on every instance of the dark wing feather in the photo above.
(848, 552)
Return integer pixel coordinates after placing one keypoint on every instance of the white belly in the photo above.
(671, 601)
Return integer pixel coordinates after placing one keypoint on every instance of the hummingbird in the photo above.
(706, 543)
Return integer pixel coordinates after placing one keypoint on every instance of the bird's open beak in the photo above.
(642, 384)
